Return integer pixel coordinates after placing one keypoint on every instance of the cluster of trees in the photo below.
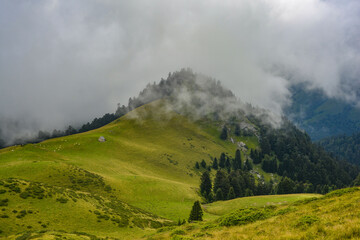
(344, 147)
(232, 179)
(289, 152)
(227, 163)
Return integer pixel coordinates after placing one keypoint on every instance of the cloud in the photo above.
(66, 62)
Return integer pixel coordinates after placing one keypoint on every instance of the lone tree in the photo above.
(224, 134)
(196, 212)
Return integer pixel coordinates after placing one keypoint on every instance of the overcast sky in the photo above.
(67, 62)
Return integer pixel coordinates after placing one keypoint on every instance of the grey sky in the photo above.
(65, 62)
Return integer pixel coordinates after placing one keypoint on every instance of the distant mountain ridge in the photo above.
(321, 116)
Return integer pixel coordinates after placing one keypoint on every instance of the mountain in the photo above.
(344, 147)
(321, 116)
(139, 173)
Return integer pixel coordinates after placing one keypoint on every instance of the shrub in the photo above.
(4, 202)
(24, 194)
(306, 221)
(247, 215)
(2, 191)
(62, 200)
(178, 232)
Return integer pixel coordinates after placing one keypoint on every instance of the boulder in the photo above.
(101, 139)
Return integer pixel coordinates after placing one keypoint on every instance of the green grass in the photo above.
(147, 160)
(333, 216)
(224, 207)
(45, 208)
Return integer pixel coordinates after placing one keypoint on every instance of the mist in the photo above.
(66, 62)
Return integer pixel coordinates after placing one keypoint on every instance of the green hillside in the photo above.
(147, 161)
(138, 176)
(333, 216)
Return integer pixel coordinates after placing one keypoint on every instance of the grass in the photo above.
(333, 216)
(224, 207)
(147, 161)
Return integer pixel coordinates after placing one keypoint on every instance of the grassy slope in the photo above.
(148, 160)
(334, 216)
(223, 207)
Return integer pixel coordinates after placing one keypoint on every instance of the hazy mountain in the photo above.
(321, 116)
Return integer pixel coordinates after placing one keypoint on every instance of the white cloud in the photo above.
(66, 62)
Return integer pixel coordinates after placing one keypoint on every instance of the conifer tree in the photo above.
(203, 163)
(219, 195)
(222, 160)
(224, 133)
(215, 164)
(196, 212)
(205, 185)
(221, 182)
(197, 166)
(237, 161)
(231, 194)
(237, 131)
(248, 165)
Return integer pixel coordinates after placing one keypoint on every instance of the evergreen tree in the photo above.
(203, 163)
(219, 195)
(231, 194)
(224, 133)
(248, 165)
(222, 160)
(237, 131)
(197, 166)
(70, 130)
(248, 192)
(205, 185)
(210, 197)
(286, 185)
(196, 212)
(215, 164)
(356, 182)
(227, 163)
(237, 161)
(221, 182)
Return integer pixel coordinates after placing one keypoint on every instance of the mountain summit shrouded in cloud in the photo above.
(65, 62)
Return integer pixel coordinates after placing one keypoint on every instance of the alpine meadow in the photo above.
(258, 138)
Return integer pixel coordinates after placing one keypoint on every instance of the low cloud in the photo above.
(66, 62)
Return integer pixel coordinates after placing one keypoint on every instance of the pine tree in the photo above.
(286, 185)
(227, 163)
(231, 194)
(210, 198)
(237, 130)
(215, 164)
(205, 185)
(219, 195)
(197, 166)
(203, 163)
(196, 212)
(224, 134)
(221, 182)
(222, 160)
(248, 165)
(237, 161)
